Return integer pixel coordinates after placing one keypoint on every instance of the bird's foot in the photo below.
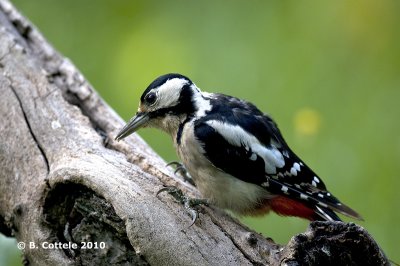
(179, 168)
(189, 203)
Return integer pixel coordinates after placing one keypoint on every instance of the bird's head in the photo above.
(166, 103)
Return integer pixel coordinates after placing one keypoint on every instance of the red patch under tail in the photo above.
(288, 207)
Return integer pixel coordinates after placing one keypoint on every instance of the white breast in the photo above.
(222, 189)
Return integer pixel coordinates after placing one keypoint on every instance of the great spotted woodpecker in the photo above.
(235, 154)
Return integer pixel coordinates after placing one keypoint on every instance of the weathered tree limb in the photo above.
(64, 179)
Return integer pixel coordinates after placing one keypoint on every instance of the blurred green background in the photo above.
(328, 72)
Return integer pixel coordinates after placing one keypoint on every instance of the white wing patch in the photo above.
(315, 181)
(303, 196)
(237, 136)
(285, 190)
(253, 157)
(295, 169)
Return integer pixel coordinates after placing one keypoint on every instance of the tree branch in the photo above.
(64, 179)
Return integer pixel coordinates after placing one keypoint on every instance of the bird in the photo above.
(235, 154)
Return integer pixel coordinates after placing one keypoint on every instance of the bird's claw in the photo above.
(173, 163)
(174, 191)
(179, 168)
(189, 203)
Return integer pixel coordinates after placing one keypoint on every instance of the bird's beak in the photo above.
(134, 124)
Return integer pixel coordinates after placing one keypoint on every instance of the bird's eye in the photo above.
(150, 98)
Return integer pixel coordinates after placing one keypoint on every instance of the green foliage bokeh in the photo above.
(328, 72)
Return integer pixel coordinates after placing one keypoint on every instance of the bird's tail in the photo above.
(312, 205)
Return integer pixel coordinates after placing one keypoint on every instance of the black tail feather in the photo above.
(324, 203)
(326, 214)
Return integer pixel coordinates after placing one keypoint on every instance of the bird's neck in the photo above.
(195, 107)
(171, 124)
(202, 104)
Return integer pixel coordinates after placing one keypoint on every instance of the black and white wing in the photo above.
(241, 141)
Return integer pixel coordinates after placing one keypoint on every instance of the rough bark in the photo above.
(64, 179)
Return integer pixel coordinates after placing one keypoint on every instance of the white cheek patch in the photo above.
(168, 93)
(235, 135)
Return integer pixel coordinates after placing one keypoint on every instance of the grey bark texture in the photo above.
(64, 179)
